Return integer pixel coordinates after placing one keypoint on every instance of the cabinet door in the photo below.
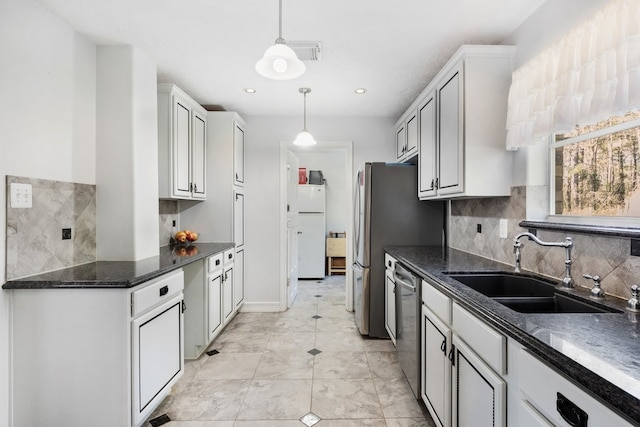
(238, 154)
(436, 368)
(181, 142)
(401, 141)
(479, 395)
(428, 147)
(238, 280)
(238, 218)
(390, 305)
(199, 156)
(528, 416)
(412, 135)
(227, 294)
(451, 135)
(214, 320)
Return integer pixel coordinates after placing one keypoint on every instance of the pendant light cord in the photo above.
(305, 110)
(280, 21)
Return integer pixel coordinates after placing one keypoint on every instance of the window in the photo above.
(597, 169)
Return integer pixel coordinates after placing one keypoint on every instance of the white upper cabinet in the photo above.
(182, 137)
(238, 153)
(460, 126)
(407, 137)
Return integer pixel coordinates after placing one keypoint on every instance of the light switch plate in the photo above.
(21, 195)
(504, 227)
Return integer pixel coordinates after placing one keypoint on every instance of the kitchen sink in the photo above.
(525, 294)
(496, 285)
(554, 304)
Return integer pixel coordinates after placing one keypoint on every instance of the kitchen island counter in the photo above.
(120, 274)
(597, 351)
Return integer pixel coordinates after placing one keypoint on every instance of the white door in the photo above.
(479, 394)
(311, 245)
(238, 280)
(292, 227)
(215, 306)
(227, 294)
(436, 368)
(390, 305)
(238, 218)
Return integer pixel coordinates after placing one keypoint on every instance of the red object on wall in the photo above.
(302, 175)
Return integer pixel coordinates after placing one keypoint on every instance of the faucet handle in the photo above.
(596, 291)
(633, 304)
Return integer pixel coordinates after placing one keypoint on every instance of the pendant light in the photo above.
(304, 137)
(280, 61)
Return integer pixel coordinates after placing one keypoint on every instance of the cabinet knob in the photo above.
(437, 183)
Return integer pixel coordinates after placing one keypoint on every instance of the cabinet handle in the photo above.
(164, 290)
(443, 347)
(433, 181)
(571, 413)
(184, 306)
(236, 176)
(437, 183)
(191, 187)
(195, 188)
(451, 356)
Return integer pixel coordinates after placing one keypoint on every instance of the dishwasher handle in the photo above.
(404, 278)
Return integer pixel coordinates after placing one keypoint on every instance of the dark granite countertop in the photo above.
(119, 274)
(601, 351)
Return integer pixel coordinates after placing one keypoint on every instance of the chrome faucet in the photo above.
(567, 281)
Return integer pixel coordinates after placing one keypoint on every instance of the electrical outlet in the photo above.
(21, 195)
(66, 233)
(504, 228)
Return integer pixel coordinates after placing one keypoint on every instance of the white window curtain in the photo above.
(589, 75)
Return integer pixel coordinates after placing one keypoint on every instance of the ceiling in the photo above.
(209, 47)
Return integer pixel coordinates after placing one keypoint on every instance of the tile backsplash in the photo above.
(608, 257)
(34, 235)
(169, 212)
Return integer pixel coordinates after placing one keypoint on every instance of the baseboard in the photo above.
(260, 307)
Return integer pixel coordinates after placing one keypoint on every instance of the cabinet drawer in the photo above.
(438, 303)
(229, 256)
(215, 262)
(389, 262)
(490, 345)
(544, 395)
(155, 291)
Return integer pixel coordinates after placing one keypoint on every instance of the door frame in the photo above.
(347, 148)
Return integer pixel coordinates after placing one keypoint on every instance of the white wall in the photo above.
(47, 81)
(373, 139)
(127, 149)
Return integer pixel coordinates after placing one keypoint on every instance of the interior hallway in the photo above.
(292, 369)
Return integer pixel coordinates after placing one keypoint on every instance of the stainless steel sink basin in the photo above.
(525, 294)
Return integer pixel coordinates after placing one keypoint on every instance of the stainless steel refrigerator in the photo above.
(387, 212)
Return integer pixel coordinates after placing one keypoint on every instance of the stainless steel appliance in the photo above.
(387, 212)
(408, 306)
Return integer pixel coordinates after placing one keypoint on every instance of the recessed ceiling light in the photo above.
(250, 90)
(360, 90)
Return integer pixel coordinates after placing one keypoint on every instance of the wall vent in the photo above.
(307, 50)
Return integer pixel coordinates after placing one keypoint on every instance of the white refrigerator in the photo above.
(311, 231)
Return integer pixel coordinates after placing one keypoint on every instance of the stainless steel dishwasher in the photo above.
(408, 325)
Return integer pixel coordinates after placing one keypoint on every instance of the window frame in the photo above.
(616, 221)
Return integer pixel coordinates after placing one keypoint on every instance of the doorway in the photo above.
(331, 156)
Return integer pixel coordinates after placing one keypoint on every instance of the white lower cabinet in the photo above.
(436, 371)
(556, 401)
(238, 280)
(390, 305)
(460, 357)
(99, 357)
(214, 317)
(228, 308)
(479, 394)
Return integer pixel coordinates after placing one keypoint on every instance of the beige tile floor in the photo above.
(264, 376)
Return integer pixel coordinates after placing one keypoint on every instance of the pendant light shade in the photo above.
(280, 61)
(304, 138)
